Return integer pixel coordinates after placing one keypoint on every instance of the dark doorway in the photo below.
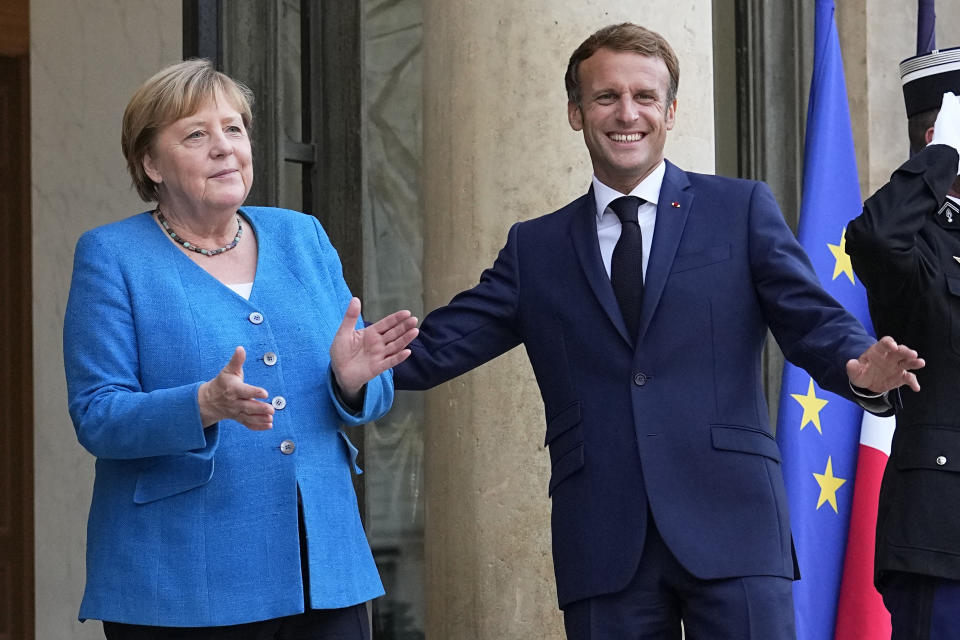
(16, 430)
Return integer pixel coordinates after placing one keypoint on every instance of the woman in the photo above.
(214, 483)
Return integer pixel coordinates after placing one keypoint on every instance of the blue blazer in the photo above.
(675, 416)
(197, 527)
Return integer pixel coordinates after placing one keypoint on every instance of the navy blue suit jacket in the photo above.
(674, 416)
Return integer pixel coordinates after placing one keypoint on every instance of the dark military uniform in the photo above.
(905, 248)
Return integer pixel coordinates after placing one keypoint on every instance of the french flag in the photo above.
(860, 611)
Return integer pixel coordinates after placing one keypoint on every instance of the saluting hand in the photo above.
(946, 130)
(359, 355)
(228, 397)
(884, 366)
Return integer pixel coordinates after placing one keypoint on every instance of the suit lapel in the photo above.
(676, 199)
(587, 247)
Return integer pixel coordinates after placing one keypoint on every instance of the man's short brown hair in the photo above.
(623, 37)
(917, 126)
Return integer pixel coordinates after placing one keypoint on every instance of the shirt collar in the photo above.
(648, 189)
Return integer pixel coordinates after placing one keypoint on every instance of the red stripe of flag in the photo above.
(860, 611)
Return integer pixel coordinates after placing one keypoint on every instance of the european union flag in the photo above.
(818, 431)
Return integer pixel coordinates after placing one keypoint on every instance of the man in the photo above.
(645, 338)
(905, 247)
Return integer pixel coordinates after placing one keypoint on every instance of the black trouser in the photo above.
(317, 624)
(922, 607)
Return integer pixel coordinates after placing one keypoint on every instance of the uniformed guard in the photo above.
(905, 248)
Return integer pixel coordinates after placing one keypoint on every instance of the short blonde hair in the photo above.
(176, 92)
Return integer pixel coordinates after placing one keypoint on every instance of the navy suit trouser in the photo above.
(663, 594)
(922, 607)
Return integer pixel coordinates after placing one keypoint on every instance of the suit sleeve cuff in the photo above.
(870, 401)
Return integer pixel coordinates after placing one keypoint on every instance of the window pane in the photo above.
(291, 81)
(291, 197)
(393, 248)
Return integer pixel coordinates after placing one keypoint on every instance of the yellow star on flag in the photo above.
(811, 407)
(829, 484)
(839, 251)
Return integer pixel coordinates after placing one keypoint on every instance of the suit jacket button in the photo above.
(640, 379)
(287, 447)
(941, 460)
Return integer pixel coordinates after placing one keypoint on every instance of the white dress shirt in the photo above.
(608, 224)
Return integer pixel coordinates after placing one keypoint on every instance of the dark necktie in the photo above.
(626, 265)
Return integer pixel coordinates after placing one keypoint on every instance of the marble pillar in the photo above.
(497, 149)
(86, 59)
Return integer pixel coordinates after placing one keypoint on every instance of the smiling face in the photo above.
(202, 163)
(624, 115)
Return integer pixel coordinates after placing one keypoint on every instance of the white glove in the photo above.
(946, 130)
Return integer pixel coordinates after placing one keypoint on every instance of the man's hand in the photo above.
(946, 130)
(359, 355)
(228, 396)
(884, 366)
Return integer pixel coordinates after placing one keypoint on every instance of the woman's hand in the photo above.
(228, 397)
(359, 355)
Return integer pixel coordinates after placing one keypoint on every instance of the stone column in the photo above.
(875, 36)
(497, 149)
(86, 60)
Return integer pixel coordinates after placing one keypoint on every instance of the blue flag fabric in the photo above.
(926, 27)
(818, 431)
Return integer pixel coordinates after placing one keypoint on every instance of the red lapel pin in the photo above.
(675, 204)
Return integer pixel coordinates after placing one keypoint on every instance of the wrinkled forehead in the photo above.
(608, 68)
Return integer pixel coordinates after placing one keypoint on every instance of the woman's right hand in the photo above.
(228, 397)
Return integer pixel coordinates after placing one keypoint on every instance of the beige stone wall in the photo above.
(875, 36)
(498, 149)
(86, 59)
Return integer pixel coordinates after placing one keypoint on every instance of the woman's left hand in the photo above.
(359, 355)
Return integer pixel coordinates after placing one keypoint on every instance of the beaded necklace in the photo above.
(192, 247)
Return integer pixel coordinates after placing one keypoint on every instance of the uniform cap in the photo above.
(927, 77)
